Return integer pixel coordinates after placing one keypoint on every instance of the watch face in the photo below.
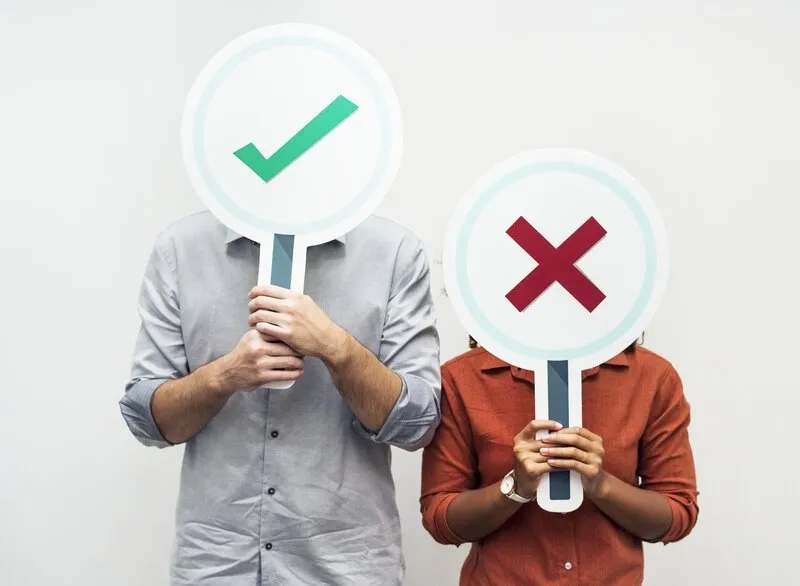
(507, 486)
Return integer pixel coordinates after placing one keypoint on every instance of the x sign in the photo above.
(560, 340)
(556, 264)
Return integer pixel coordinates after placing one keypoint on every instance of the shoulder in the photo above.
(466, 366)
(651, 365)
(378, 227)
(380, 232)
(378, 238)
(656, 374)
(194, 236)
(201, 226)
(188, 243)
(471, 359)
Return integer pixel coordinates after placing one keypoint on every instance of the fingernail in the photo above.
(544, 451)
(558, 425)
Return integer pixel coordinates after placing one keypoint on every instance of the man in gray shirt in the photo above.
(285, 486)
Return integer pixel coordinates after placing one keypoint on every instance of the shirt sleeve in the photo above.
(449, 465)
(410, 347)
(666, 463)
(159, 354)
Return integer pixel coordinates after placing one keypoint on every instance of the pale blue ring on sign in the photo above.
(231, 206)
(648, 282)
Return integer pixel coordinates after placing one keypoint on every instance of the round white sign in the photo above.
(292, 129)
(556, 255)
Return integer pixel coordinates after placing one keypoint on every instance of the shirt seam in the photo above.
(173, 267)
(667, 377)
(392, 294)
(391, 290)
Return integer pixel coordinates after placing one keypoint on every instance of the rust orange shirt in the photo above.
(635, 402)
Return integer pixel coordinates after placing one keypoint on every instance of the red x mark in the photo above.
(556, 264)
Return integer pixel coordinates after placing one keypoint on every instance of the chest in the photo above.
(613, 408)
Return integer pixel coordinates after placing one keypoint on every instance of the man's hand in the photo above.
(529, 464)
(576, 448)
(184, 406)
(256, 361)
(294, 318)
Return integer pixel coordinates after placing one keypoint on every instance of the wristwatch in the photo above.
(508, 488)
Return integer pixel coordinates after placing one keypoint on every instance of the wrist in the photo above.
(511, 489)
(336, 346)
(216, 377)
(600, 488)
(527, 493)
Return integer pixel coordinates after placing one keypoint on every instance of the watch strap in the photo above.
(513, 494)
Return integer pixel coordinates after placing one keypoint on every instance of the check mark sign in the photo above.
(320, 126)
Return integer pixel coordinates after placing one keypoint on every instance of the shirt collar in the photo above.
(231, 236)
(492, 362)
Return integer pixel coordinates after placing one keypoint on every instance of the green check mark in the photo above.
(322, 124)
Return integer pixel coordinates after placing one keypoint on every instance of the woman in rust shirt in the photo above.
(633, 455)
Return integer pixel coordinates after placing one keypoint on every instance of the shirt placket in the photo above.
(566, 554)
(272, 435)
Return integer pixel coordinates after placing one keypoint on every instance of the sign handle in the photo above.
(282, 262)
(558, 398)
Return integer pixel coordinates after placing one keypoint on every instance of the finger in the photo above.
(280, 349)
(582, 431)
(270, 291)
(561, 464)
(277, 332)
(265, 316)
(282, 375)
(535, 457)
(566, 453)
(268, 303)
(529, 431)
(283, 363)
(528, 446)
(534, 463)
(569, 439)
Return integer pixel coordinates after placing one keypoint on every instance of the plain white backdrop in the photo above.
(699, 101)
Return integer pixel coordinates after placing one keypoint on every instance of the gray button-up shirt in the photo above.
(286, 486)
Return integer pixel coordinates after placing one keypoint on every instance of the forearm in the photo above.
(369, 388)
(643, 513)
(183, 407)
(474, 514)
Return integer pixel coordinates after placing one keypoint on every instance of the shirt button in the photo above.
(268, 546)
(568, 566)
(271, 491)
(274, 434)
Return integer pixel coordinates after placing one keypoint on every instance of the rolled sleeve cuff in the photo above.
(438, 526)
(413, 419)
(683, 521)
(136, 408)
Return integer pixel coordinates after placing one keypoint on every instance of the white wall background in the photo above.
(698, 100)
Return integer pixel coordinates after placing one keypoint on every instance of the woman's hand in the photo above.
(576, 448)
(529, 464)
